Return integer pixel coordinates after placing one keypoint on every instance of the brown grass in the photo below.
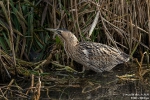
(27, 49)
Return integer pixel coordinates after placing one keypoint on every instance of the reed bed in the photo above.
(29, 53)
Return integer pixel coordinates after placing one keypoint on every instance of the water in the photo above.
(122, 83)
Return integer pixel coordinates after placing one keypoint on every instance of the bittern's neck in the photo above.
(70, 47)
(72, 43)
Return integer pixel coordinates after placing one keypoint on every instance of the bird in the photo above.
(92, 55)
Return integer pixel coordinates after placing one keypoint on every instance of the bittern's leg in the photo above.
(83, 70)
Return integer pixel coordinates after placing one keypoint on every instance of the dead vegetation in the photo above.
(30, 54)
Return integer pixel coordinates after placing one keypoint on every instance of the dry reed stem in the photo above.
(11, 82)
(4, 65)
(31, 86)
(107, 32)
(94, 24)
(11, 38)
(2, 96)
(92, 86)
(77, 20)
(125, 23)
(37, 90)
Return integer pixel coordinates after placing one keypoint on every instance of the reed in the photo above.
(26, 48)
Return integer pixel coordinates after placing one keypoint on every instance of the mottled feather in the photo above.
(95, 56)
(98, 57)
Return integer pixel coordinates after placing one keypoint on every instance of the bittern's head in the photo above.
(66, 35)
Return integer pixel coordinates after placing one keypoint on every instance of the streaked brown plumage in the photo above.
(95, 56)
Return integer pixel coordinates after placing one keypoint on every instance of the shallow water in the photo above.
(120, 84)
(104, 86)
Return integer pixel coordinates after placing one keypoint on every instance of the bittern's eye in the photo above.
(59, 32)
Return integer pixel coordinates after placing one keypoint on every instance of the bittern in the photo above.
(95, 56)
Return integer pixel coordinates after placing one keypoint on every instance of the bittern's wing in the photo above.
(100, 57)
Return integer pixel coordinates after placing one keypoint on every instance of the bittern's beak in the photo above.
(52, 30)
(58, 31)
